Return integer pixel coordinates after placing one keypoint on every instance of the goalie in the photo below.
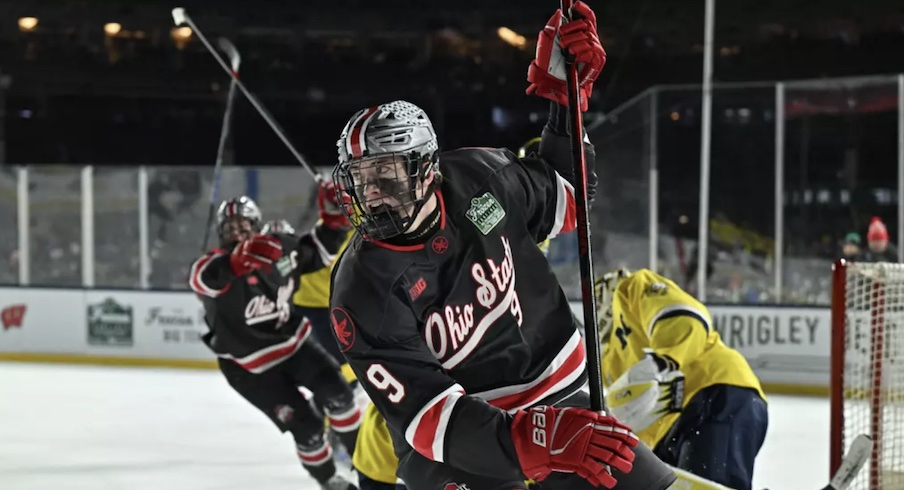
(692, 399)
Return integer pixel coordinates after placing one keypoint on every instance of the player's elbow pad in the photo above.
(555, 149)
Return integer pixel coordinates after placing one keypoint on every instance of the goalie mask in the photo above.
(385, 155)
(604, 289)
(237, 219)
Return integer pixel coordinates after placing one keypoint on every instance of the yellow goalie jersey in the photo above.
(314, 287)
(651, 312)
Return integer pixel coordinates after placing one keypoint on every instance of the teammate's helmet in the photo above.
(385, 153)
(232, 213)
(605, 292)
(278, 226)
(532, 147)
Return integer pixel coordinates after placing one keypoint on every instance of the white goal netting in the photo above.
(870, 369)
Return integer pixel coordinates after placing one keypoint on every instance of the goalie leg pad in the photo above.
(718, 435)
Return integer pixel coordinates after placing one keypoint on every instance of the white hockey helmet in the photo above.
(231, 212)
(390, 148)
(605, 293)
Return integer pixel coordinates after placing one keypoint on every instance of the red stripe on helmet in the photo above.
(355, 138)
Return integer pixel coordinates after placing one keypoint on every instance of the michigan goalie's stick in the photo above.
(841, 480)
(234, 61)
(180, 17)
(856, 456)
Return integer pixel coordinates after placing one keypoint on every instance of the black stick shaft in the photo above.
(585, 257)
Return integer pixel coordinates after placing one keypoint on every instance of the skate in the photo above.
(338, 482)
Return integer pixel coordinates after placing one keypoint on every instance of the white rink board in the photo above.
(141, 324)
(784, 345)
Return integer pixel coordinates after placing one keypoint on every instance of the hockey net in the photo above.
(867, 373)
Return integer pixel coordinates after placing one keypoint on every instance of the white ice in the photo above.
(80, 427)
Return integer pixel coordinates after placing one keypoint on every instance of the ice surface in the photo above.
(80, 427)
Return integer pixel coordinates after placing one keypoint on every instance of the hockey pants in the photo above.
(718, 435)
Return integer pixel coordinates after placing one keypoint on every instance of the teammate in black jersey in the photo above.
(246, 287)
(450, 315)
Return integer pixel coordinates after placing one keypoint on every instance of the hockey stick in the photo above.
(234, 61)
(856, 456)
(180, 17)
(579, 163)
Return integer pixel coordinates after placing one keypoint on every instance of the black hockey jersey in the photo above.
(474, 319)
(250, 317)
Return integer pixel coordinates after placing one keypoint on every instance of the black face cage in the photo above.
(388, 223)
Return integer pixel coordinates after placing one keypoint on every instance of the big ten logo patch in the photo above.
(453, 331)
(12, 316)
(417, 288)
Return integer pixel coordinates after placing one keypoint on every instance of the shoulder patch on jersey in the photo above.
(485, 212)
(343, 327)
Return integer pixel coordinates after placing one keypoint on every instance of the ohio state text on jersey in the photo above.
(474, 317)
(250, 317)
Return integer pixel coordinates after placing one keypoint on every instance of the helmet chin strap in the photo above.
(419, 203)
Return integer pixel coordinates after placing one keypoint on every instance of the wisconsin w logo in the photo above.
(12, 316)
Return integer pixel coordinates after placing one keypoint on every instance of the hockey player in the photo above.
(375, 460)
(314, 287)
(245, 286)
(669, 377)
(449, 313)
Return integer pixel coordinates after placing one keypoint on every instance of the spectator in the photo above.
(850, 247)
(877, 239)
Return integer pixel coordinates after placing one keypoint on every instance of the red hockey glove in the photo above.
(257, 252)
(547, 72)
(328, 203)
(572, 440)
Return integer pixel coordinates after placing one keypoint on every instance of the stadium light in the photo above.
(27, 24)
(112, 28)
(511, 37)
(181, 33)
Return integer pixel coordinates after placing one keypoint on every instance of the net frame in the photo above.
(862, 377)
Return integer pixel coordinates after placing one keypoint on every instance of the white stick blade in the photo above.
(856, 456)
(179, 16)
(234, 59)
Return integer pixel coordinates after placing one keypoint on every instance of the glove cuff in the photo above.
(529, 458)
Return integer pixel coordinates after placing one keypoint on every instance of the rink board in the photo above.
(788, 347)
